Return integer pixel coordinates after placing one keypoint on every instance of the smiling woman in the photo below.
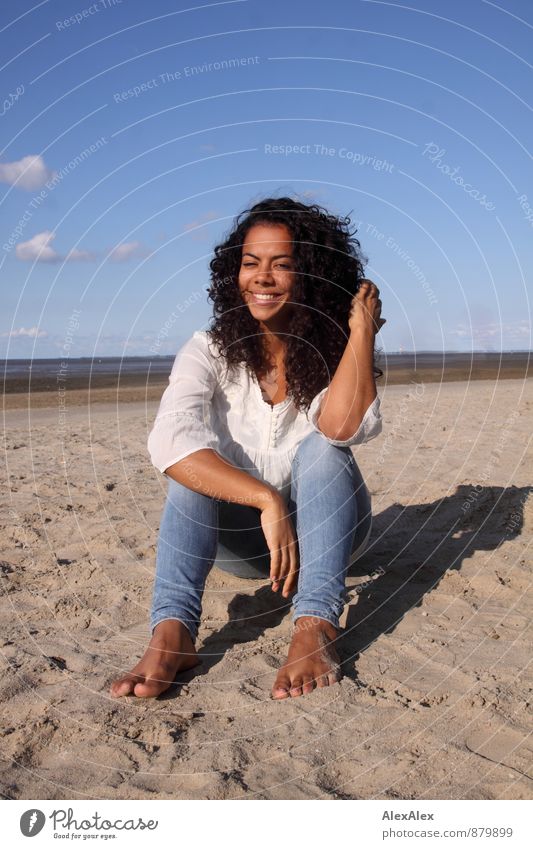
(266, 283)
(308, 258)
(294, 317)
(266, 275)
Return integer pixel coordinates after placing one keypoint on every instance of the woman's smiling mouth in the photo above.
(264, 298)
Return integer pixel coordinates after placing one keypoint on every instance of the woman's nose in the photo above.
(263, 276)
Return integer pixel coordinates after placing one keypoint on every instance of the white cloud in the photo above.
(210, 215)
(199, 233)
(486, 334)
(32, 332)
(79, 256)
(125, 251)
(38, 248)
(28, 173)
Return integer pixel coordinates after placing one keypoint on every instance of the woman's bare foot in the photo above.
(312, 662)
(171, 650)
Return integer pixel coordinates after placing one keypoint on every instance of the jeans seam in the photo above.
(333, 620)
(332, 617)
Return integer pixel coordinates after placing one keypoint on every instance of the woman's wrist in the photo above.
(362, 334)
(265, 496)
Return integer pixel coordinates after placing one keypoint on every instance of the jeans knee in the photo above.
(316, 451)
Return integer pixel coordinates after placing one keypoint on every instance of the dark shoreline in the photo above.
(151, 376)
(445, 367)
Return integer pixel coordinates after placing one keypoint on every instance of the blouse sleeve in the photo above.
(183, 421)
(369, 428)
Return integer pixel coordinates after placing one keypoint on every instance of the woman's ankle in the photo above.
(172, 629)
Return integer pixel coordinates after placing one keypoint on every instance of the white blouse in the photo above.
(210, 405)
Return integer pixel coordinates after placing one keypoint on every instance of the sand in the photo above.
(435, 699)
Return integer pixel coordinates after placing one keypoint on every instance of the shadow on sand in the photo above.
(410, 550)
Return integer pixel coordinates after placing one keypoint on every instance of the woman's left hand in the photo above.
(365, 312)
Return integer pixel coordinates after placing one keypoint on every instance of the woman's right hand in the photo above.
(283, 545)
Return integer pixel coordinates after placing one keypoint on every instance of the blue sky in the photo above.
(134, 133)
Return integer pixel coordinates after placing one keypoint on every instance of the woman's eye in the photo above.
(251, 264)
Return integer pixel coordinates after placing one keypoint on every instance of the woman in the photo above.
(257, 422)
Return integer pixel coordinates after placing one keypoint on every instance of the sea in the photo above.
(19, 375)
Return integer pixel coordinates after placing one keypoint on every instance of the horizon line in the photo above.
(165, 356)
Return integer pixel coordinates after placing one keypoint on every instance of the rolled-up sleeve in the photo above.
(370, 427)
(183, 421)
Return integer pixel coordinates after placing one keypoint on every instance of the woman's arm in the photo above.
(183, 446)
(207, 472)
(353, 387)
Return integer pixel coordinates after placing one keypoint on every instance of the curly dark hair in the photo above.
(329, 268)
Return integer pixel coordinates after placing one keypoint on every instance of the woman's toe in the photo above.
(334, 676)
(296, 689)
(151, 687)
(308, 684)
(281, 688)
(123, 687)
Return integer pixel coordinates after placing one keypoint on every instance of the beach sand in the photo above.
(435, 699)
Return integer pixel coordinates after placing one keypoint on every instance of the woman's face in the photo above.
(267, 269)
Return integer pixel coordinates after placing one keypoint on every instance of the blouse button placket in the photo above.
(273, 429)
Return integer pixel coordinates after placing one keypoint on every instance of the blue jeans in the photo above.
(330, 509)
